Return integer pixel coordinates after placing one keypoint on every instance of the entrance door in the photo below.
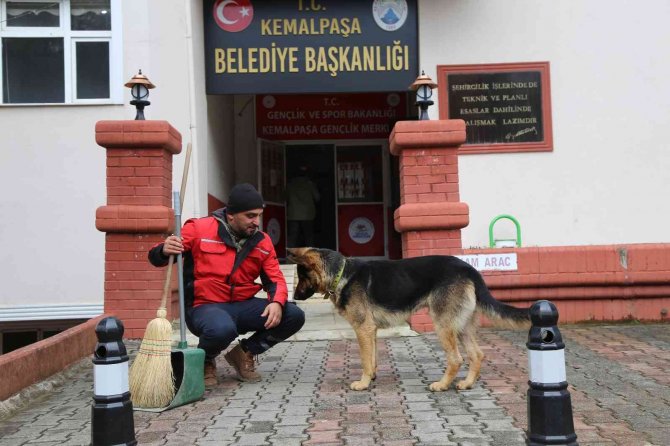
(360, 201)
(349, 215)
(315, 161)
(271, 180)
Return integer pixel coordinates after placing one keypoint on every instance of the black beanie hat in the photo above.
(244, 197)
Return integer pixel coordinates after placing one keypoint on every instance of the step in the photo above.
(290, 272)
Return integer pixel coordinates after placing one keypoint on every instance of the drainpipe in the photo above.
(192, 127)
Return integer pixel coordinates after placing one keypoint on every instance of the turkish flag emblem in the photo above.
(233, 15)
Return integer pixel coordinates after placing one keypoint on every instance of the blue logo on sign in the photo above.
(389, 14)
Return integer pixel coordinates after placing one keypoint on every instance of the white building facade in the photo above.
(64, 64)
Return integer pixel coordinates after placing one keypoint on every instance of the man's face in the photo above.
(245, 223)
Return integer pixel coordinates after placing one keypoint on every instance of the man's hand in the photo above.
(273, 312)
(172, 246)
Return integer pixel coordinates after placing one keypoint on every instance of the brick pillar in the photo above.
(431, 215)
(138, 215)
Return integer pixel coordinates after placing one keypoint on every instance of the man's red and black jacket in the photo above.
(215, 272)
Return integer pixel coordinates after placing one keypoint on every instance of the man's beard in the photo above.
(244, 232)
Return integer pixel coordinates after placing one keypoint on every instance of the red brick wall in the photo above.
(138, 215)
(36, 362)
(596, 283)
(586, 283)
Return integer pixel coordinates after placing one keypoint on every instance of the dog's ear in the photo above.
(296, 255)
(310, 258)
(313, 259)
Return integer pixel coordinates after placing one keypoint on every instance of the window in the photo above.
(60, 52)
(18, 334)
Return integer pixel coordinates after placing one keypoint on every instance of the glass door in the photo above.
(272, 185)
(360, 201)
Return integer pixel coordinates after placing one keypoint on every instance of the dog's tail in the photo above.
(499, 312)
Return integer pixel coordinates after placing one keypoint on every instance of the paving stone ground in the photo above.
(618, 376)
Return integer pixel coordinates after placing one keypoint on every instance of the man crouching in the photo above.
(223, 255)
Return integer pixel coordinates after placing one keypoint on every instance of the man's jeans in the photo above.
(217, 325)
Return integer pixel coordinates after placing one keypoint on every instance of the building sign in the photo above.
(310, 46)
(336, 116)
(497, 107)
(491, 262)
(506, 107)
(361, 230)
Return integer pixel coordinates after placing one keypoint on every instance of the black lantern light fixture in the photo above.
(139, 88)
(423, 85)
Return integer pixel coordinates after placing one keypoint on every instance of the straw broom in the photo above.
(151, 378)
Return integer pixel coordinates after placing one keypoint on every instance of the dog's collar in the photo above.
(336, 282)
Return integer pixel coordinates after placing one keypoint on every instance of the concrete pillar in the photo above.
(431, 215)
(138, 215)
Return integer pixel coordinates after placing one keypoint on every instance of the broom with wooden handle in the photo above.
(151, 378)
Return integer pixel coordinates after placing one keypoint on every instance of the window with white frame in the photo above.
(60, 52)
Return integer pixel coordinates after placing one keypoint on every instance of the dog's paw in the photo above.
(464, 385)
(438, 387)
(359, 385)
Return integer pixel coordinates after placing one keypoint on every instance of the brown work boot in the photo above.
(210, 373)
(243, 363)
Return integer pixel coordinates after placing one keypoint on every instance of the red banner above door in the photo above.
(336, 116)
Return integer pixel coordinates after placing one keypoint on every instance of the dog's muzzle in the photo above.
(304, 294)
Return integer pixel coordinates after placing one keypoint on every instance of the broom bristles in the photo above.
(151, 377)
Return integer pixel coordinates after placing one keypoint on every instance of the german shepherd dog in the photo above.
(381, 293)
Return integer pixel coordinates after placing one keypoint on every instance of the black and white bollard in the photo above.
(549, 407)
(112, 412)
